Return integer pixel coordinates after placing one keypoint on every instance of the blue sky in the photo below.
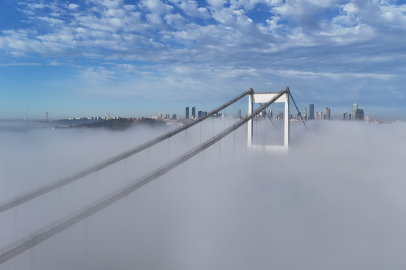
(140, 58)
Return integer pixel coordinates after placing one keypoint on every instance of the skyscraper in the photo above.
(199, 114)
(239, 114)
(187, 112)
(354, 109)
(326, 113)
(264, 114)
(359, 114)
(270, 114)
(350, 117)
(311, 112)
(304, 115)
(194, 112)
(204, 113)
(174, 116)
(345, 116)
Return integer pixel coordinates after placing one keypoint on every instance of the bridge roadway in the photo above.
(19, 247)
(36, 193)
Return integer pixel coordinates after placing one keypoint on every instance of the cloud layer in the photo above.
(339, 43)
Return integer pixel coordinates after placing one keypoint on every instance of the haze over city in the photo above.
(218, 134)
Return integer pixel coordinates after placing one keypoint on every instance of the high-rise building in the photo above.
(174, 116)
(319, 116)
(199, 114)
(359, 114)
(264, 114)
(239, 114)
(270, 114)
(304, 115)
(350, 117)
(345, 116)
(311, 112)
(354, 109)
(194, 112)
(366, 119)
(326, 113)
(299, 115)
(187, 112)
(204, 113)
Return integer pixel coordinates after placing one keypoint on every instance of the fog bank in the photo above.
(334, 201)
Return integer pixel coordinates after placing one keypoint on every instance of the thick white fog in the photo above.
(335, 200)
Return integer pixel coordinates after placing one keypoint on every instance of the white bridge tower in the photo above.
(263, 98)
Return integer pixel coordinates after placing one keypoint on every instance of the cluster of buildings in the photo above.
(188, 115)
(194, 116)
(277, 116)
(356, 114)
(94, 118)
(306, 115)
(164, 116)
(311, 115)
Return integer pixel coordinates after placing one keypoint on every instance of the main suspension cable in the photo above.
(296, 108)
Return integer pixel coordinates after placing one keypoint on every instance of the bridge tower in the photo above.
(263, 98)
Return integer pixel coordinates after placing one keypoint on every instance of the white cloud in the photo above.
(73, 6)
(34, 5)
(350, 8)
(51, 20)
(174, 20)
(273, 23)
(17, 53)
(154, 19)
(190, 8)
(156, 6)
(108, 3)
(98, 74)
(216, 4)
(395, 15)
(286, 34)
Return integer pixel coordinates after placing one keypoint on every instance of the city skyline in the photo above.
(237, 113)
(92, 57)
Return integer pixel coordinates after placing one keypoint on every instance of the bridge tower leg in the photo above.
(287, 123)
(250, 122)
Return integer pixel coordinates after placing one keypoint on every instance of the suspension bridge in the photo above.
(37, 237)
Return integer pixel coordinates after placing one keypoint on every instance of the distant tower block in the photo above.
(263, 98)
(194, 112)
(187, 112)
(310, 116)
(47, 116)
